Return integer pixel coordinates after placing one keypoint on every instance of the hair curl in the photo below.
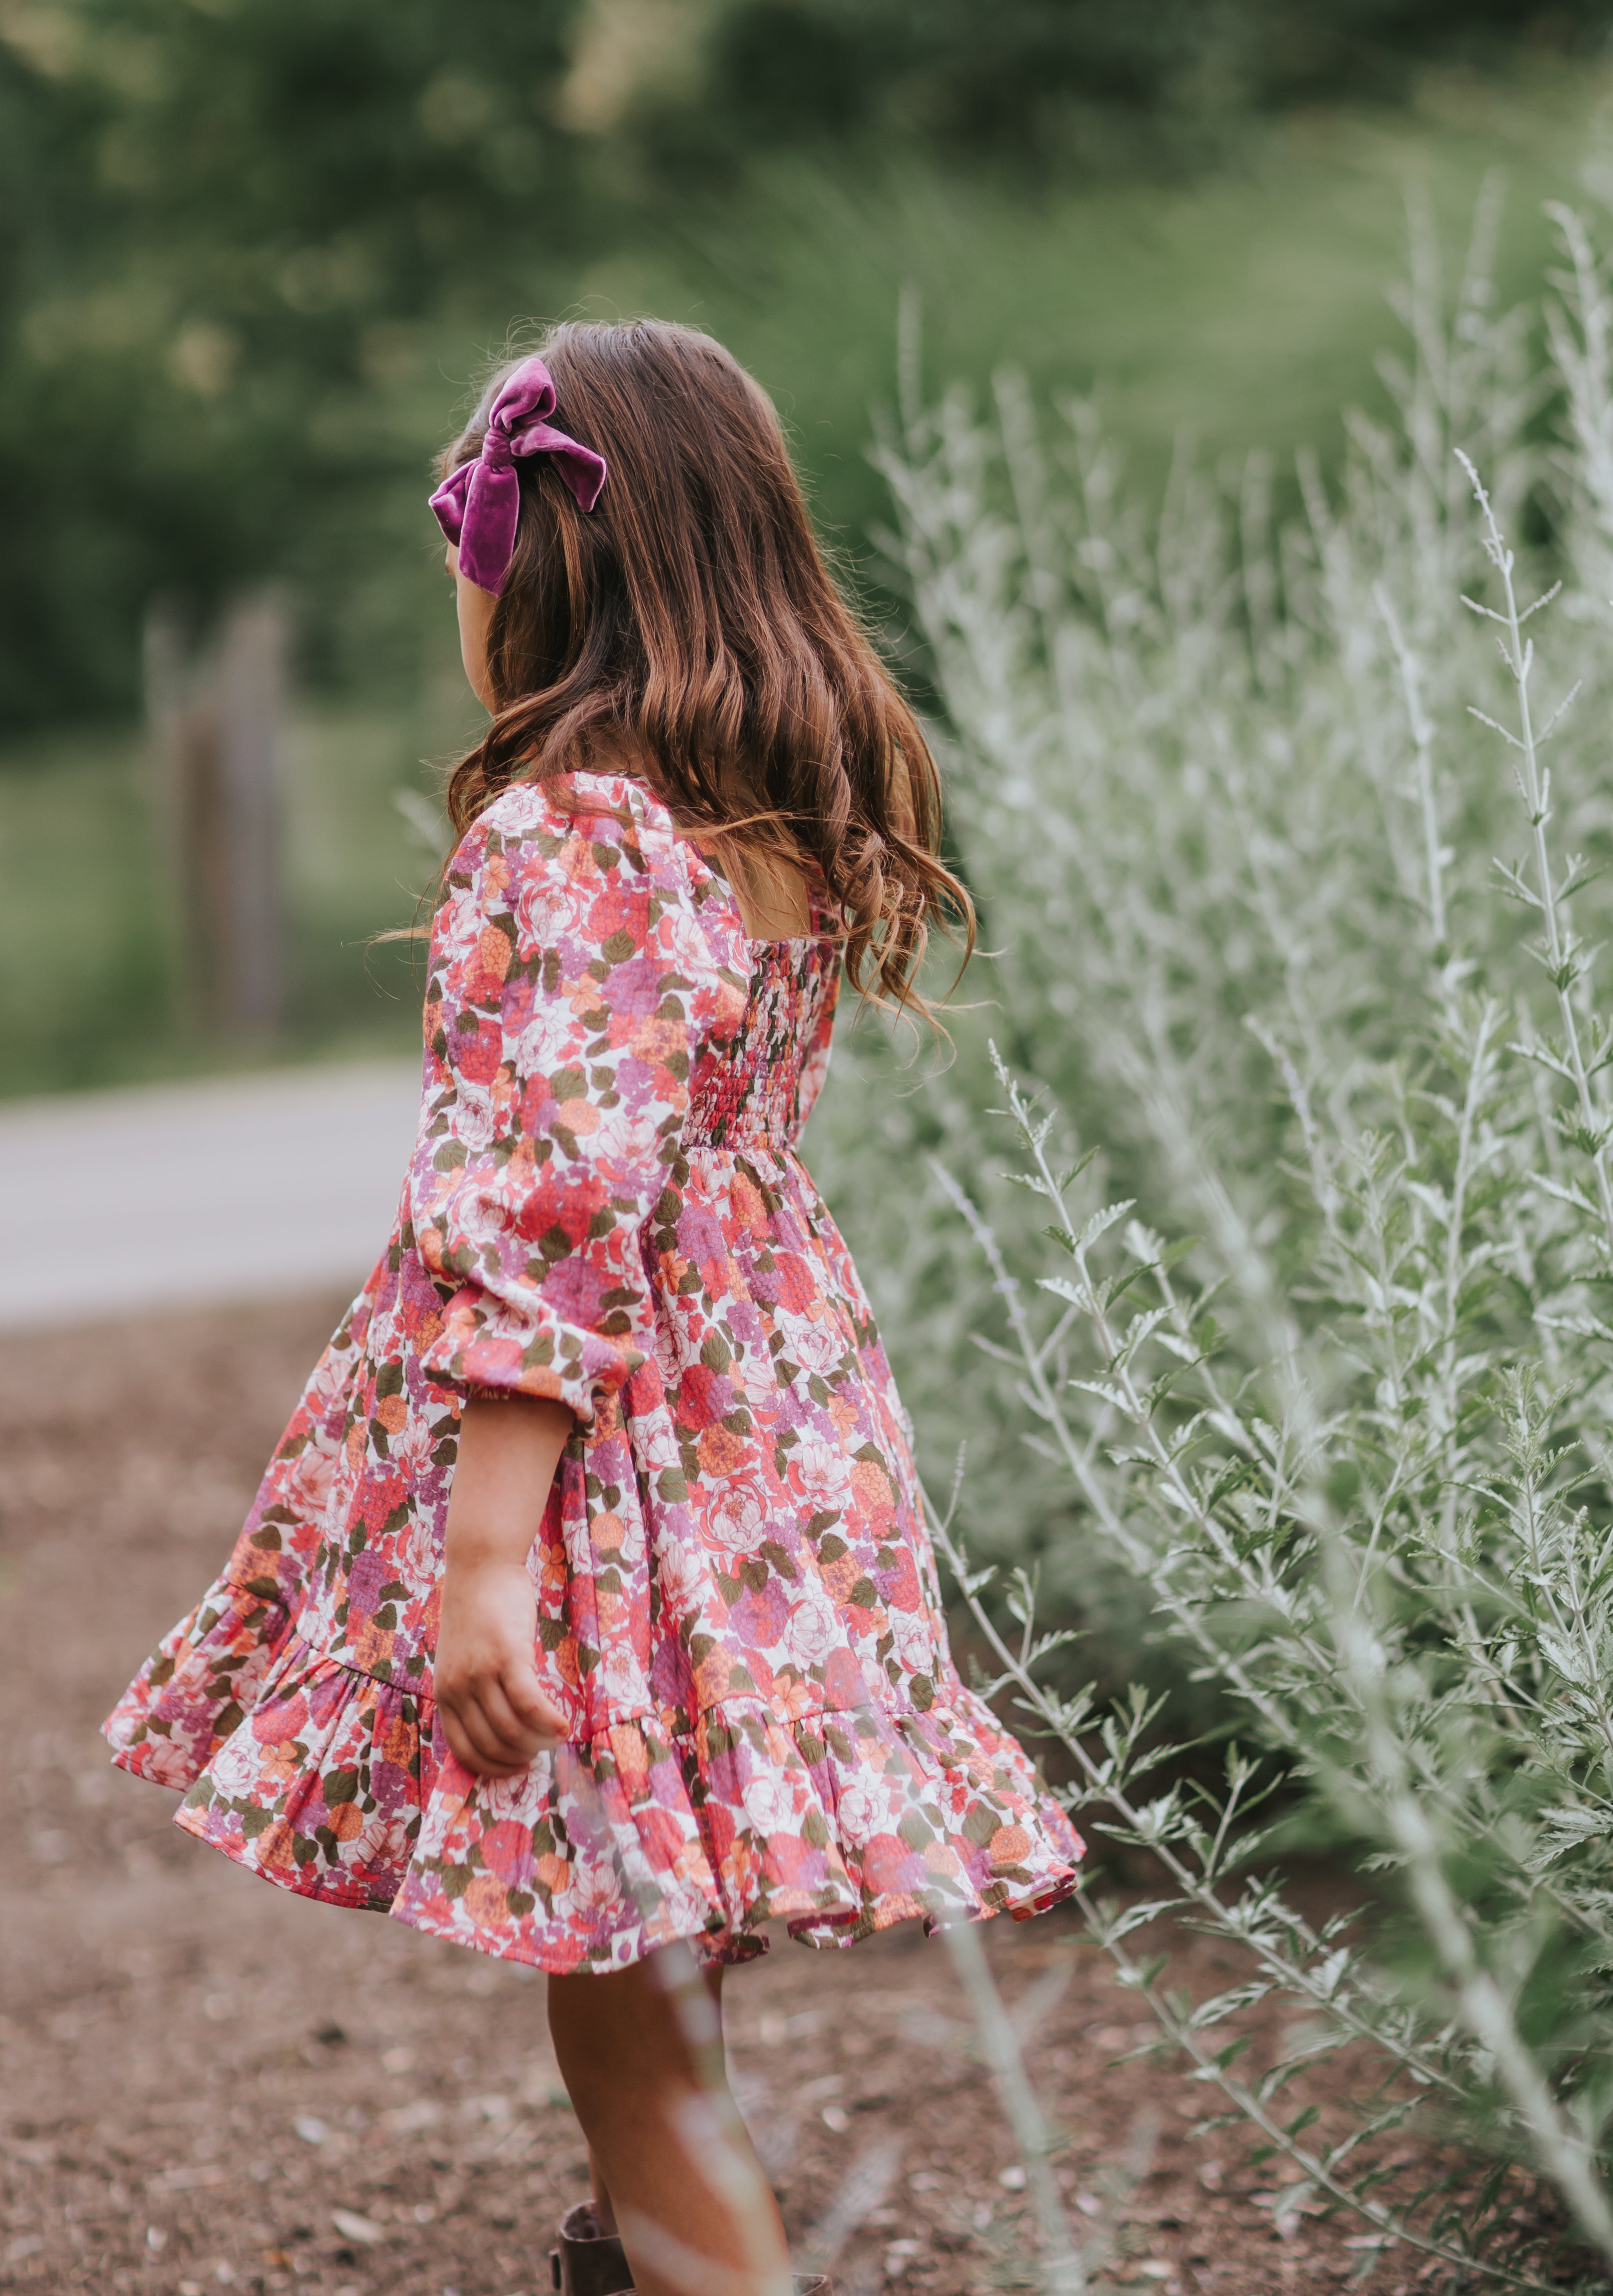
(688, 631)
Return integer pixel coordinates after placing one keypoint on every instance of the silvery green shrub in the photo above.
(1293, 1341)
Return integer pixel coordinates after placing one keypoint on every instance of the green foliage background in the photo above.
(254, 252)
(252, 249)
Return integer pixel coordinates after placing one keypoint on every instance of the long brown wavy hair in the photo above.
(687, 631)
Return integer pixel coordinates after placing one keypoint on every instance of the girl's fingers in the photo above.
(531, 1707)
(497, 1724)
(459, 1744)
(520, 1739)
(474, 1740)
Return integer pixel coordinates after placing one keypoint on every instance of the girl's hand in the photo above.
(495, 1714)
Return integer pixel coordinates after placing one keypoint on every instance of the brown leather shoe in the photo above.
(589, 2262)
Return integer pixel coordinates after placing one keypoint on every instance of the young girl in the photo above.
(587, 1614)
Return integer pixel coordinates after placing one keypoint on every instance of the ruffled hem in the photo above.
(304, 1770)
(334, 1784)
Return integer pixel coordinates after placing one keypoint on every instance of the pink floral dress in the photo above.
(738, 1610)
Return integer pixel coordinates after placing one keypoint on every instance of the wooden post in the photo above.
(251, 679)
(216, 716)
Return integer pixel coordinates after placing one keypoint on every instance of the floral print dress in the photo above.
(738, 1610)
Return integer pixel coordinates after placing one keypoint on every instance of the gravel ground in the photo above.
(211, 2086)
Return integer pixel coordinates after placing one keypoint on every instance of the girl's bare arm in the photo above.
(493, 1712)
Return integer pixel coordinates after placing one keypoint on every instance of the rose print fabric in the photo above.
(738, 1610)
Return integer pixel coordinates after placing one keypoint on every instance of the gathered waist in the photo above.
(737, 1152)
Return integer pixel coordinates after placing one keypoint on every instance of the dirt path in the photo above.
(209, 2086)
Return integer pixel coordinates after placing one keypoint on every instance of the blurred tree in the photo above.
(235, 234)
(227, 224)
(1040, 82)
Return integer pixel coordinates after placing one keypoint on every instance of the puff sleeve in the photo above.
(570, 986)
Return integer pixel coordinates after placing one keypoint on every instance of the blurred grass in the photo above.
(1245, 308)
(86, 975)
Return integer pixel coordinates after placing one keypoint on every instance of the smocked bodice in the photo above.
(754, 1087)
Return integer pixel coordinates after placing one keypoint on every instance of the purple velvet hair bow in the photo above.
(479, 505)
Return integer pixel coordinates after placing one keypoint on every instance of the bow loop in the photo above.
(478, 505)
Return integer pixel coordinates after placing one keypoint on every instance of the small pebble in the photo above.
(351, 2226)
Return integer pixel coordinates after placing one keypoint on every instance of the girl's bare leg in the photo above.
(667, 2152)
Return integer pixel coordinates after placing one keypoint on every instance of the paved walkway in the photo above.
(117, 1201)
